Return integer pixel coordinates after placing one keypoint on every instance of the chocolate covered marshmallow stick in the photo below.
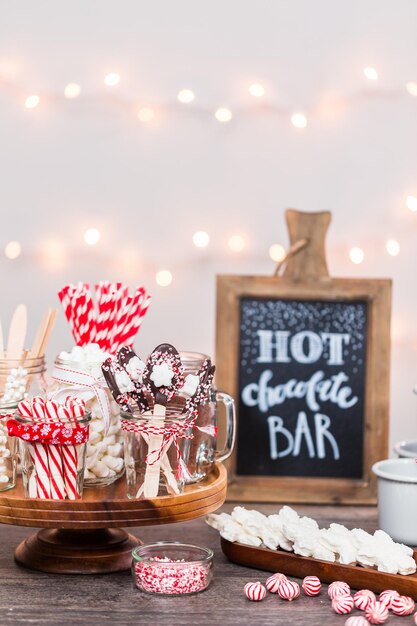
(124, 371)
(163, 376)
(134, 368)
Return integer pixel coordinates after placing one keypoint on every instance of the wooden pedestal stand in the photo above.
(85, 536)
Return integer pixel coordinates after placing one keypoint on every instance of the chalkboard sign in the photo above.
(308, 365)
(302, 369)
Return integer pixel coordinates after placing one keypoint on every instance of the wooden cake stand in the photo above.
(85, 536)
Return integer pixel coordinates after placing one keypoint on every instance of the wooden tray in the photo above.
(299, 566)
(84, 536)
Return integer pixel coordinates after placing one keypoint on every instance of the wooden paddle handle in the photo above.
(309, 262)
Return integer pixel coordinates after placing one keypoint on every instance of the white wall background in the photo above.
(68, 165)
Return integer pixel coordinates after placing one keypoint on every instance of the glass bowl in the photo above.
(172, 569)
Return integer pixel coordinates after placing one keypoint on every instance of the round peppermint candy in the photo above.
(338, 588)
(402, 605)
(311, 585)
(377, 613)
(356, 620)
(364, 598)
(273, 582)
(255, 591)
(386, 597)
(415, 618)
(288, 590)
(342, 604)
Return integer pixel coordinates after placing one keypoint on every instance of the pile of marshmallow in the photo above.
(85, 358)
(15, 387)
(302, 535)
(5, 457)
(104, 456)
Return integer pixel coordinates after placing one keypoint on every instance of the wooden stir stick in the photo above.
(1, 342)
(17, 333)
(43, 333)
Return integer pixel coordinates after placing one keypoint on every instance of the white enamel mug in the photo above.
(397, 498)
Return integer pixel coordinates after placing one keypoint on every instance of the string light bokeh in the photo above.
(182, 146)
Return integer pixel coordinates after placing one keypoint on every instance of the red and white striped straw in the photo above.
(114, 321)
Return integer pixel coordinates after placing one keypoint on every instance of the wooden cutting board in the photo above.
(299, 566)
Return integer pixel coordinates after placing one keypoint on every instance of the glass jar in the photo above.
(156, 453)
(8, 456)
(53, 471)
(104, 456)
(203, 447)
(171, 569)
(18, 377)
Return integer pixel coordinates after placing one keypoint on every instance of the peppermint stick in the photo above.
(73, 409)
(54, 457)
(41, 454)
(25, 410)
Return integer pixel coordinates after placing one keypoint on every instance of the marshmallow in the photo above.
(100, 470)
(104, 455)
(302, 535)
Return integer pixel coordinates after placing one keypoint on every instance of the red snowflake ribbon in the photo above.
(55, 433)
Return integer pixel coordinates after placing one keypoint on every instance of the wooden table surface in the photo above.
(30, 597)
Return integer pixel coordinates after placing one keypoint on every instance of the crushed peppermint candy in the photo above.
(172, 577)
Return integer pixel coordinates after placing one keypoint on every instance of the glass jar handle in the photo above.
(229, 403)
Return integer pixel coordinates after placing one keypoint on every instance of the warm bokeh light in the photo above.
(256, 90)
(411, 203)
(370, 73)
(299, 120)
(186, 96)
(72, 90)
(12, 250)
(146, 114)
(112, 79)
(127, 262)
(223, 115)
(92, 236)
(163, 278)
(412, 88)
(393, 247)
(32, 102)
(236, 243)
(277, 252)
(201, 239)
(53, 254)
(356, 255)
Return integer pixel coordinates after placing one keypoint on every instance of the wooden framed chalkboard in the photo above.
(307, 361)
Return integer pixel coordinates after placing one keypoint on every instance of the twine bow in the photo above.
(170, 433)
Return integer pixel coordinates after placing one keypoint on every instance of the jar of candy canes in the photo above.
(8, 456)
(53, 455)
(78, 373)
(204, 449)
(19, 376)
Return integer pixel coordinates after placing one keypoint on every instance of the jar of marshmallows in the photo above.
(78, 373)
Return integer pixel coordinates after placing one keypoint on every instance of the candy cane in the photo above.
(40, 459)
(25, 408)
(40, 454)
(69, 458)
(58, 491)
